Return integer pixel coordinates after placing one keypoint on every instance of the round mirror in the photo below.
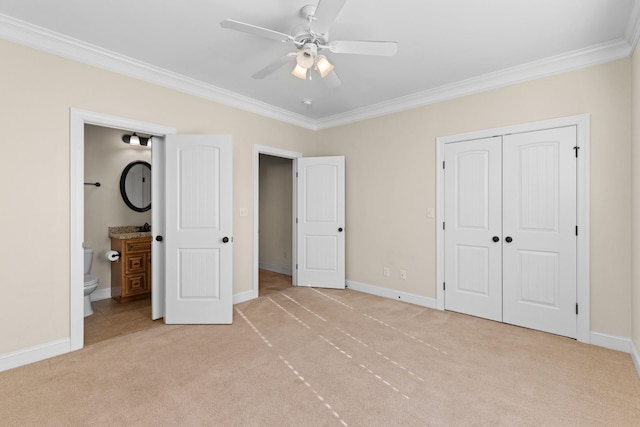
(135, 185)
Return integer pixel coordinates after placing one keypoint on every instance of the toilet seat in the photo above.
(90, 280)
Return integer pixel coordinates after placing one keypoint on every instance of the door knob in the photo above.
(340, 230)
(508, 239)
(158, 238)
(496, 239)
(225, 239)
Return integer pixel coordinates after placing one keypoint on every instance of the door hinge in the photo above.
(576, 148)
(444, 286)
(576, 230)
(296, 266)
(442, 165)
(296, 174)
(296, 220)
(576, 308)
(443, 225)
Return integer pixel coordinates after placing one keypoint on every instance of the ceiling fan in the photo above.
(310, 40)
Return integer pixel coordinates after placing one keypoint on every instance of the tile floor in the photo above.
(270, 282)
(111, 319)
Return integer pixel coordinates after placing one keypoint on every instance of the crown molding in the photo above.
(575, 60)
(30, 35)
(632, 34)
(49, 41)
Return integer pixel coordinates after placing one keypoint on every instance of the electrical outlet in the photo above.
(244, 212)
(385, 272)
(403, 274)
(431, 212)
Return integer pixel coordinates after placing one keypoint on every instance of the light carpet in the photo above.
(317, 357)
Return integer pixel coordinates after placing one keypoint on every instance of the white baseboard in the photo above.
(617, 343)
(34, 354)
(635, 357)
(611, 342)
(392, 294)
(243, 296)
(100, 294)
(276, 268)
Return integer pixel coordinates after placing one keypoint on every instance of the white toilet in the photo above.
(90, 282)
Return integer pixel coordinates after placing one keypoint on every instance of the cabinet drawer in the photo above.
(136, 263)
(137, 245)
(135, 284)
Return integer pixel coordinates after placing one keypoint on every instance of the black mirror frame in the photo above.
(123, 191)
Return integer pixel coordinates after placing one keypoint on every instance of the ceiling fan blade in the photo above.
(364, 47)
(272, 67)
(255, 30)
(326, 13)
(332, 80)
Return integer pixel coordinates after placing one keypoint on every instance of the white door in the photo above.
(321, 228)
(510, 229)
(473, 227)
(539, 226)
(157, 227)
(198, 236)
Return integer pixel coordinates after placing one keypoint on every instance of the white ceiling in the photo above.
(445, 48)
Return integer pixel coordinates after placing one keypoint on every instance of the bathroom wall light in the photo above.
(137, 140)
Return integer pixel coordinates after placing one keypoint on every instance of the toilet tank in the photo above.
(88, 259)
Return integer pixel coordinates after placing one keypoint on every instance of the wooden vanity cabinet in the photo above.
(131, 274)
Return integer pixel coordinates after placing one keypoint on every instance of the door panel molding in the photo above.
(582, 124)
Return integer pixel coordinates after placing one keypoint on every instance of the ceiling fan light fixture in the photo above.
(305, 59)
(300, 72)
(324, 66)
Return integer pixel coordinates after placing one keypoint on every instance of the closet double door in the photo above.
(510, 229)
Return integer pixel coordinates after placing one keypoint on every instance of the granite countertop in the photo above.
(127, 232)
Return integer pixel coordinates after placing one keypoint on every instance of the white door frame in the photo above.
(582, 123)
(78, 119)
(285, 154)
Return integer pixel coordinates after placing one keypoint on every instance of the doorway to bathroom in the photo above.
(80, 119)
(107, 204)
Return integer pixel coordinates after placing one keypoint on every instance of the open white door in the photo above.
(157, 226)
(321, 217)
(198, 236)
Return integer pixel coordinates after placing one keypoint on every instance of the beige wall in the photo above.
(391, 180)
(38, 91)
(390, 165)
(105, 157)
(635, 210)
(276, 200)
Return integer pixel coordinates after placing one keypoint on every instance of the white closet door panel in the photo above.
(473, 216)
(540, 218)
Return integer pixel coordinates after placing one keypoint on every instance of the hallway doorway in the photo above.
(275, 223)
